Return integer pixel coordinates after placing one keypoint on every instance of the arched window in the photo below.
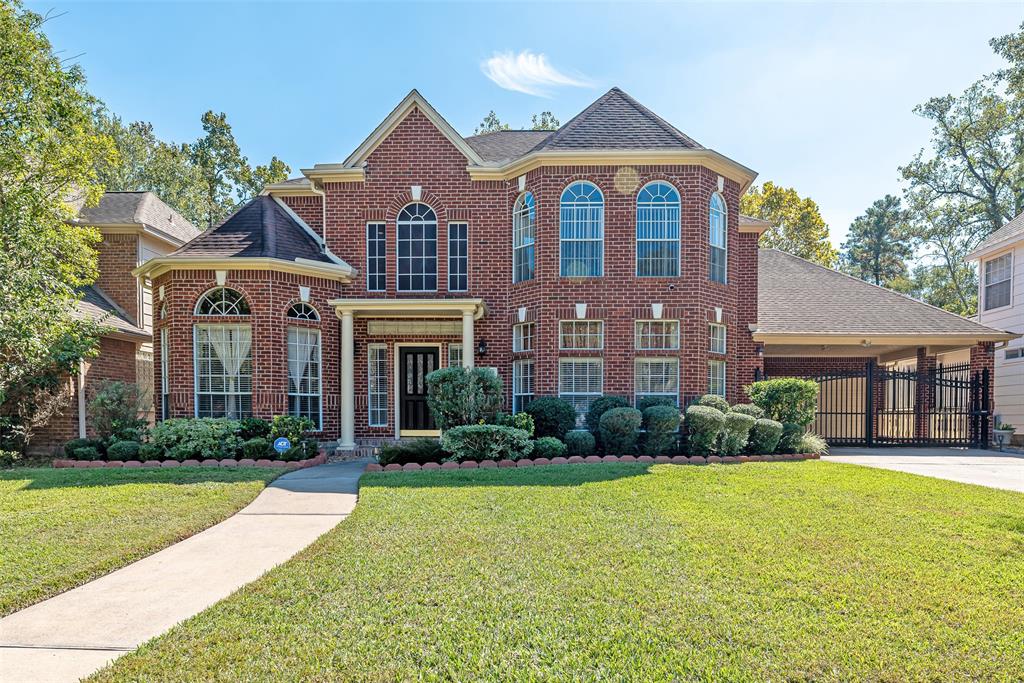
(417, 249)
(717, 256)
(303, 311)
(524, 233)
(304, 373)
(581, 230)
(222, 301)
(657, 231)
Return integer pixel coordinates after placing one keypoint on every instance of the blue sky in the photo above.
(818, 97)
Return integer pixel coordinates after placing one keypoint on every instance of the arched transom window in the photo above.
(417, 249)
(524, 234)
(581, 229)
(657, 231)
(717, 256)
(222, 301)
(303, 311)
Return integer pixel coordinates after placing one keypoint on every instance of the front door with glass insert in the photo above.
(415, 363)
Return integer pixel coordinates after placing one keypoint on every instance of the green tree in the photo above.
(50, 148)
(1011, 48)
(544, 121)
(798, 228)
(491, 124)
(878, 245)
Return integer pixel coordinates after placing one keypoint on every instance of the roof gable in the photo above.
(1003, 237)
(138, 208)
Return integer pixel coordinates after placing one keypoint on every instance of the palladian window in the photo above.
(581, 229)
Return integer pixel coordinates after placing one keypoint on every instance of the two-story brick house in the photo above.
(607, 257)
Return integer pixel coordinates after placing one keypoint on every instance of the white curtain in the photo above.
(301, 343)
(232, 345)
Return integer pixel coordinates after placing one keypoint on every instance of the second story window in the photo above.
(458, 257)
(417, 249)
(524, 233)
(581, 335)
(581, 230)
(376, 258)
(717, 256)
(717, 335)
(657, 231)
(998, 279)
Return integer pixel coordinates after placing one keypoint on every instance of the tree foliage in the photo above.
(491, 124)
(798, 227)
(878, 244)
(544, 121)
(50, 148)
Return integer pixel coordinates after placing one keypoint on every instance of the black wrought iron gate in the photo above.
(881, 406)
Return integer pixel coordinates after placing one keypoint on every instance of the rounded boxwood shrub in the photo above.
(601, 405)
(736, 432)
(748, 409)
(661, 423)
(150, 451)
(72, 446)
(714, 401)
(486, 442)
(764, 436)
(419, 451)
(123, 450)
(253, 428)
(645, 402)
(619, 429)
(256, 448)
(461, 396)
(792, 434)
(703, 425)
(548, 447)
(87, 453)
(579, 442)
(787, 399)
(551, 416)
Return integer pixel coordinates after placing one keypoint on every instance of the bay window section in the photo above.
(304, 397)
(580, 382)
(524, 234)
(581, 335)
(656, 377)
(657, 231)
(717, 256)
(716, 377)
(522, 384)
(581, 231)
(223, 371)
(656, 335)
(377, 365)
(417, 249)
(522, 337)
(717, 334)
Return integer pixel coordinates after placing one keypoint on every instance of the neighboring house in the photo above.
(135, 226)
(1000, 260)
(607, 257)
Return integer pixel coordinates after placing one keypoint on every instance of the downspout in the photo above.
(81, 398)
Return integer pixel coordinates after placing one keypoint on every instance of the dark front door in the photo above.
(414, 365)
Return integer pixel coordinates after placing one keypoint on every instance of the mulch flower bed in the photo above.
(591, 459)
(320, 459)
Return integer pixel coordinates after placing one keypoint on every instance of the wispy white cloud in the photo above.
(528, 72)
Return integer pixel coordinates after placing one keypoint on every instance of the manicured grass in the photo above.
(62, 528)
(764, 571)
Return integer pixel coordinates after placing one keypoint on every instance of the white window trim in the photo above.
(448, 245)
(725, 376)
(370, 349)
(711, 339)
(366, 235)
(562, 241)
(588, 348)
(518, 337)
(448, 359)
(398, 268)
(195, 362)
(515, 379)
(319, 375)
(164, 383)
(725, 237)
(516, 210)
(679, 229)
(211, 290)
(637, 345)
(593, 395)
(985, 283)
(637, 362)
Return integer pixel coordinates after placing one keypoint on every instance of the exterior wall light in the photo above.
(481, 348)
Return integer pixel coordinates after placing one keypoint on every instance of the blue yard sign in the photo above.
(282, 444)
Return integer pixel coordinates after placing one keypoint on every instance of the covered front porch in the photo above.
(405, 340)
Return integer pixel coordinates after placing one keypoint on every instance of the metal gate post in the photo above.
(869, 405)
(986, 409)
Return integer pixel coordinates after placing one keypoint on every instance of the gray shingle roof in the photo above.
(617, 121)
(145, 208)
(261, 228)
(505, 145)
(96, 306)
(796, 296)
(1013, 229)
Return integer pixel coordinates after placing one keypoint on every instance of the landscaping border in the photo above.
(592, 460)
(319, 459)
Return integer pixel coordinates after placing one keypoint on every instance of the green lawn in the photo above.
(61, 528)
(764, 571)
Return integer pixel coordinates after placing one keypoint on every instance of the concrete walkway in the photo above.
(970, 466)
(73, 634)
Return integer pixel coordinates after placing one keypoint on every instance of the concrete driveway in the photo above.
(970, 466)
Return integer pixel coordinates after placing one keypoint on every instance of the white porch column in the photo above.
(348, 388)
(468, 349)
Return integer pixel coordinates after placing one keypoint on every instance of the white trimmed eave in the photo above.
(868, 340)
(135, 229)
(158, 266)
(995, 249)
(409, 308)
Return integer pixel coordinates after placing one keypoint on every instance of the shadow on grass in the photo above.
(542, 475)
(44, 478)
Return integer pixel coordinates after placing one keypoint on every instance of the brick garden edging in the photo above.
(320, 459)
(592, 460)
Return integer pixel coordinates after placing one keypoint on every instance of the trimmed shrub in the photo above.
(114, 411)
(123, 450)
(253, 428)
(748, 409)
(521, 420)
(256, 448)
(197, 438)
(579, 442)
(703, 425)
(548, 447)
(764, 436)
(9, 458)
(714, 401)
(736, 432)
(551, 416)
(661, 423)
(149, 451)
(289, 426)
(461, 396)
(645, 402)
(71, 446)
(787, 399)
(486, 442)
(419, 451)
(619, 428)
(812, 443)
(87, 453)
(598, 407)
(792, 434)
